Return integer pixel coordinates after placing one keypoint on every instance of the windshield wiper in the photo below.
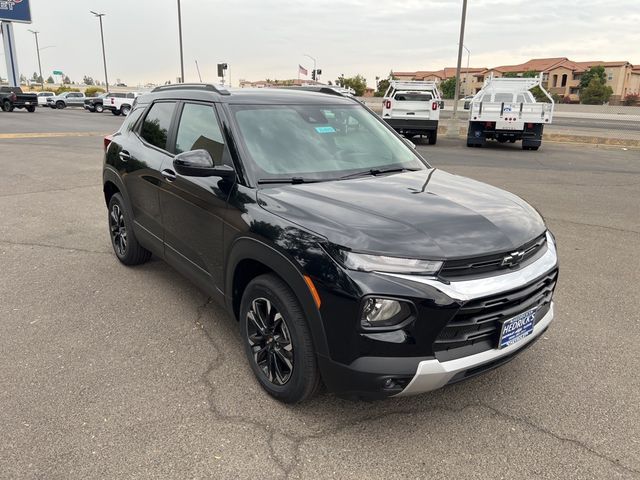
(291, 180)
(377, 171)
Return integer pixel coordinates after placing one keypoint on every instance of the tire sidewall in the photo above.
(295, 388)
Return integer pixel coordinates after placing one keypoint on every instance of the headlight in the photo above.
(377, 263)
(384, 312)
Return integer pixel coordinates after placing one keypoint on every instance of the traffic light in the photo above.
(313, 74)
(221, 68)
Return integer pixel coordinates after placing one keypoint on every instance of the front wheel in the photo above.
(60, 105)
(99, 108)
(123, 239)
(6, 106)
(278, 341)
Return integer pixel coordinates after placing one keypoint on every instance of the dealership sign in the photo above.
(15, 11)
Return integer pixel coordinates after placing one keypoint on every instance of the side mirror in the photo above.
(198, 163)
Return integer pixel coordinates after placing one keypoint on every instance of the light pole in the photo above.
(104, 57)
(35, 33)
(314, 65)
(467, 72)
(453, 131)
(180, 39)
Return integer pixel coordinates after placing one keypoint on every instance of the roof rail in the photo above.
(319, 89)
(204, 86)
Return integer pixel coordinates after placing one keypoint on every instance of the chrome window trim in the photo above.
(465, 290)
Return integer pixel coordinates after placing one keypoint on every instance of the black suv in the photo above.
(345, 257)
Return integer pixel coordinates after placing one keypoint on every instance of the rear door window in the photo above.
(155, 127)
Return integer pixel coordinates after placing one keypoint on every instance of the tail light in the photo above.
(529, 126)
(387, 104)
(434, 106)
(488, 124)
(107, 141)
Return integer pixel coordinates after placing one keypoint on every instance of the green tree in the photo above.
(358, 83)
(87, 80)
(66, 79)
(448, 88)
(594, 72)
(50, 79)
(36, 78)
(596, 93)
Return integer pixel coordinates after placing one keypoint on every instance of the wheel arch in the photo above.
(250, 257)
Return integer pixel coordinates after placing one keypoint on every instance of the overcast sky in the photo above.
(267, 38)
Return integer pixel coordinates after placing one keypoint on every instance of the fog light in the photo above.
(383, 312)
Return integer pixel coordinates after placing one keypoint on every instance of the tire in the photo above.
(291, 374)
(123, 240)
(31, 109)
(115, 112)
(408, 136)
(6, 106)
(99, 108)
(60, 105)
(125, 109)
(433, 137)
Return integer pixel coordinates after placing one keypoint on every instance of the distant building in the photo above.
(298, 82)
(561, 76)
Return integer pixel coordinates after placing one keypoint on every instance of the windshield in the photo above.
(319, 142)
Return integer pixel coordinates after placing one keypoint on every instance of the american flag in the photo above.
(302, 70)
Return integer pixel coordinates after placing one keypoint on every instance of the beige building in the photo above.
(561, 76)
(470, 82)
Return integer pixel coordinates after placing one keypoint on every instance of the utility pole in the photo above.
(180, 39)
(39, 64)
(453, 131)
(467, 73)
(104, 57)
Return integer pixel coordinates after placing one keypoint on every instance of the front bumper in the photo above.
(404, 362)
(433, 374)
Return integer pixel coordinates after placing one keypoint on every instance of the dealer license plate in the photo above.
(517, 328)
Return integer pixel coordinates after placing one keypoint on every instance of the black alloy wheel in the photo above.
(118, 230)
(123, 239)
(277, 340)
(270, 341)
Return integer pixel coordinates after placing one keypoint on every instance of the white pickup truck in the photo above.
(413, 108)
(121, 104)
(505, 110)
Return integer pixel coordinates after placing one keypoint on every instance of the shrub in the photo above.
(631, 99)
(93, 91)
(64, 88)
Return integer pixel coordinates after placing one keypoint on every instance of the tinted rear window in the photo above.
(155, 127)
(414, 97)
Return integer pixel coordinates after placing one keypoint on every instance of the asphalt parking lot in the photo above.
(116, 372)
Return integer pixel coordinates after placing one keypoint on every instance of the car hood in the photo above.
(423, 214)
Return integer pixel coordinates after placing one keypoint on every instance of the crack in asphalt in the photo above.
(205, 378)
(289, 468)
(592, 225)
(57, 247)
(49, 191)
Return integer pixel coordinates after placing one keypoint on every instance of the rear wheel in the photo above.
(115, 112)
(433, 137)
(124, 242)
(277, 340)
(125, 110)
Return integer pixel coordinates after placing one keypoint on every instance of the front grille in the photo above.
(470, 267)
(477, 325)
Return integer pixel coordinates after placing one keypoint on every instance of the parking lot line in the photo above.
(51, 135)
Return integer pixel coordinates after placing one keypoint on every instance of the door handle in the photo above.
(124, 155)
(168, 174)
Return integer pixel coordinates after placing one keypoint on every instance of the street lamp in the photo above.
(104, 57)
(454, 117)
(35, 33)
(180, 39)
(467, 73)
